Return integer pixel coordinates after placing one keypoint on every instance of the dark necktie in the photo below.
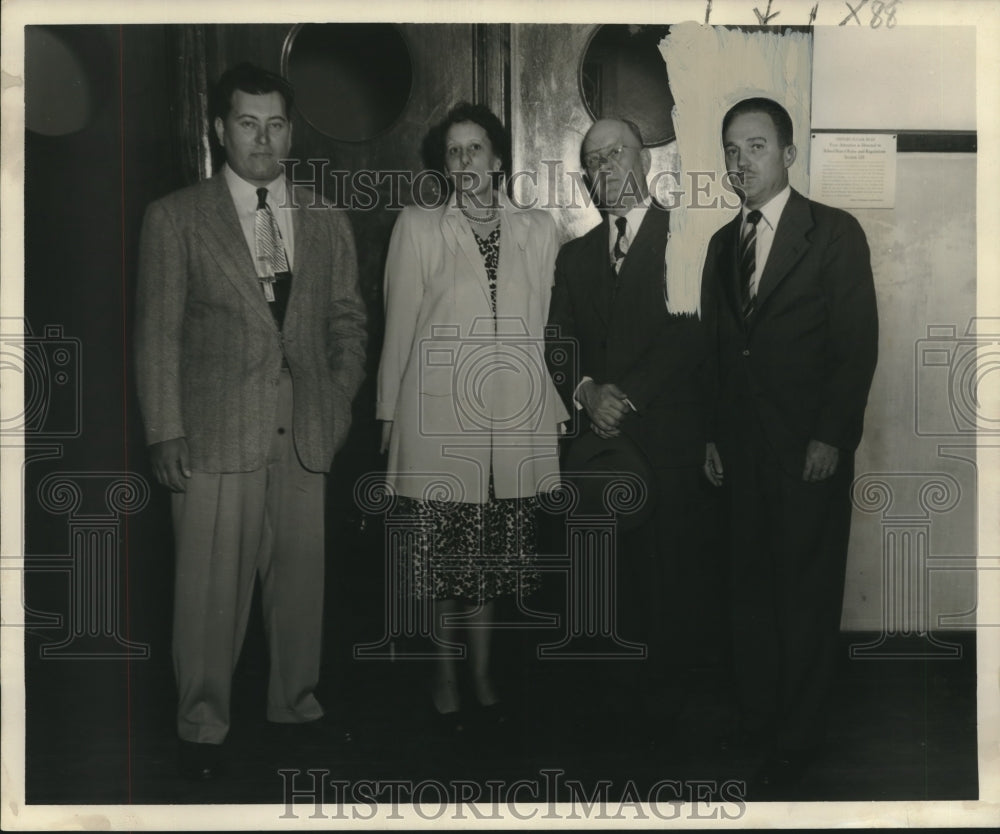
(621, 244)
(748, 262)
(276, 277)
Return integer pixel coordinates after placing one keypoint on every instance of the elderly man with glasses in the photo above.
(638, 387)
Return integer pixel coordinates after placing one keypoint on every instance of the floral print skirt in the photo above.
(471, 552)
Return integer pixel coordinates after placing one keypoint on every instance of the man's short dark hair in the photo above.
(779, 116)
(434, 142)
(250, 79)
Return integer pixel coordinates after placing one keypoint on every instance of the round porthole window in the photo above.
(623, 74)
(68, 73)
(352, 80)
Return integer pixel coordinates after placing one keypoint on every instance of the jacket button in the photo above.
(746, 351)
(281, 431)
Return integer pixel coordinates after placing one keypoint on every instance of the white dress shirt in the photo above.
(633, 219)
(766, 226)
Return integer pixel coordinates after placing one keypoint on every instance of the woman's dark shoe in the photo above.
(449, 724)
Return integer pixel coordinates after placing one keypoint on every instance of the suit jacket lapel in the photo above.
(223, 236)
(729, 258)
(306, 224)
(789, 245)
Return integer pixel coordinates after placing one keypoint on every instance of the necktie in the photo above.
(621, 244)
(748, 262)
(272, 262)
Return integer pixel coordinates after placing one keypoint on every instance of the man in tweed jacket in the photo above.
(245, 380)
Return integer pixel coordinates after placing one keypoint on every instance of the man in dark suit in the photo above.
(789, 299)
(250, 335)
(639, 380)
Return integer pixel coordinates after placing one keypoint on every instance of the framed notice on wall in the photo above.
(853, 170)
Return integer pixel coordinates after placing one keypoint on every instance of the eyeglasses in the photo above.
(595, 159)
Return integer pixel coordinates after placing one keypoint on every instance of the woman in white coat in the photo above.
(470, 414)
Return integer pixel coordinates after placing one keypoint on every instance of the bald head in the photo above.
(604, 131)
(616, 164)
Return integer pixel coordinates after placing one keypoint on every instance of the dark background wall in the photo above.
(108, 607)
(84, 197)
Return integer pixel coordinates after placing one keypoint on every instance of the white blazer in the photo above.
(465, 393)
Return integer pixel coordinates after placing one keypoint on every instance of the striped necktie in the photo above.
(272, 261)
(748, 262)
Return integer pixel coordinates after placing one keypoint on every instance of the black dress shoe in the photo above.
(741, 743)
(494, 716)
(495, 724)
(332, 730)
(780, 774)
(199, 762)
(326, 731)
(665, 737)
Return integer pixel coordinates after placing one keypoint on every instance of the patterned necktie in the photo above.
(621, 244)
(272, 262)
(748, 262)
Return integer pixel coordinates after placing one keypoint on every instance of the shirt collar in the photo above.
(245, 193)
(634, 216)
(771, 210)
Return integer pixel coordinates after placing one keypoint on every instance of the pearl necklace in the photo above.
(481, 220)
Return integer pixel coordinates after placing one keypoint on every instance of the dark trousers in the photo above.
(789, 552)
(659, 566)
